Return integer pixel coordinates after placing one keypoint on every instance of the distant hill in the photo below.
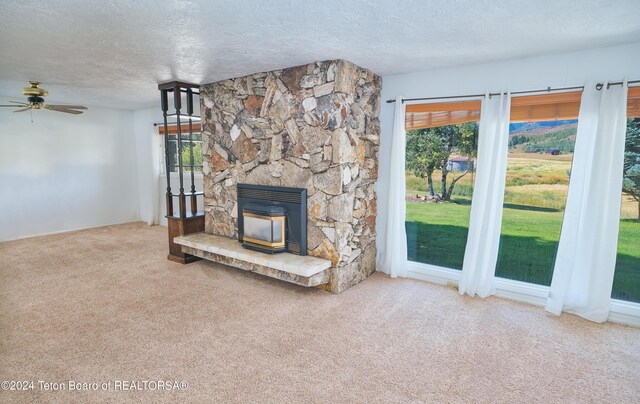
(533, 125)
(537, 137)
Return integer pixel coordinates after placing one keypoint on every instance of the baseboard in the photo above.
(522, 291)
(433, 274)
(622, 312)
(70, 230)
(625, 313)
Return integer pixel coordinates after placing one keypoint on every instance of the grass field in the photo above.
(532, 218)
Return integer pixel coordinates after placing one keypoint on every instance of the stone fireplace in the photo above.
(314, 127)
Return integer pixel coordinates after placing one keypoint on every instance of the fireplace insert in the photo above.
(272, 219)
(264, 227)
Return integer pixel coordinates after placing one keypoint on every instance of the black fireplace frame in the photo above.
(294, 200)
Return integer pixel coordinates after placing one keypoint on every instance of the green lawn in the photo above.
(626, 283)
(535, 194)
(437, 235)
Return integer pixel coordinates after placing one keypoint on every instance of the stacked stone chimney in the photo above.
(314, 126)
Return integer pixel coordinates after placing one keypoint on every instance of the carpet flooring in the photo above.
(104, 305)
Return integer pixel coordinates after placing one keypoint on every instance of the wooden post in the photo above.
(177, 101)
(164, 102)
(194, 202)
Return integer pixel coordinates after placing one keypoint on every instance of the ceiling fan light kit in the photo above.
(35, 97)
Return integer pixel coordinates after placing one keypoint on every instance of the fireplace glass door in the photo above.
(264, 230)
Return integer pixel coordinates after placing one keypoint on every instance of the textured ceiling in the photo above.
(113, 53)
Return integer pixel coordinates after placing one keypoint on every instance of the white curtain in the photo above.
(585, 262)
(393, 258)
(481, 253)
(157, 160)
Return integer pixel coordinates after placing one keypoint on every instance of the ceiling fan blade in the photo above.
(62, 109)
(19, 102)
(28, 107)
(67, 106)
(10, 106)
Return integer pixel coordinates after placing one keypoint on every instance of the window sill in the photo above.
(622, 312)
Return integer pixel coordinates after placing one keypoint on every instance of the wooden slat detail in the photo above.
(420, 116)
(184, 128)
(548, 112)
(546, 107)
(423, 120)
(633, 108)
(633, 103)
(444, 106)
(546, 99)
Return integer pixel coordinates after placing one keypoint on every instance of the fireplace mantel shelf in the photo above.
(306, 271)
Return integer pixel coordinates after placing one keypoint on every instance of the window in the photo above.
(441, 150)
(537, 182)
(440, 169)
(626, 281)
(542, 137)
(186, 151)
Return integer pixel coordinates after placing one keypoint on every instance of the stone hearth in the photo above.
(305, 271)
(313, 126)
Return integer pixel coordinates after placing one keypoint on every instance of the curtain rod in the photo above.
(545, 90)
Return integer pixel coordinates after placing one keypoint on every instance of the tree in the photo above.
(197, 156)
(430, 149)
(631, 175)
(516, 140)
(424, 153)
(460, 139)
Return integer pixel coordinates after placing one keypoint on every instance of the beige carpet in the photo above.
(105, 305)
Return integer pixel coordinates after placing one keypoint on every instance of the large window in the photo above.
(440, 170)
(537, 181)
(626, 281)
(542, 137)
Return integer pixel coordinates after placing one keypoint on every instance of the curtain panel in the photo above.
(585, 262)
(481, 252)
(392, 259)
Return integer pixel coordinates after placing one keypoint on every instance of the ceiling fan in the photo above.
(35, 97)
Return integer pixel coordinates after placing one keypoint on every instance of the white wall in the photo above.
(65, 172)
(569, 69)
